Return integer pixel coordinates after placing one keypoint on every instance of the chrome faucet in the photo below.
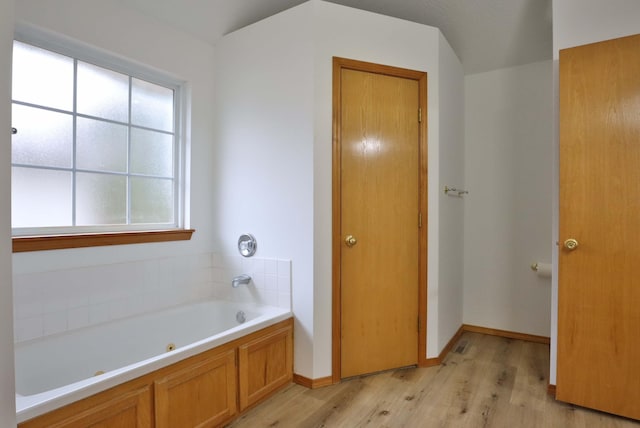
(243, 279)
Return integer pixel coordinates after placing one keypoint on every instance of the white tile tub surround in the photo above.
(270, 280)
(47, 303)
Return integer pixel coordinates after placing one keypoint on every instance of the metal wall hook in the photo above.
(14, 131)
(458, 192)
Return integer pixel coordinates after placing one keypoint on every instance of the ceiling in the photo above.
(485, 34)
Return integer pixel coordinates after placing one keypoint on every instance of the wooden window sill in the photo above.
(83, 240)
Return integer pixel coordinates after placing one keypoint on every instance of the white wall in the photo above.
(264, 153)
(579, 22)
(7, 390)
(507, 223)
(451, 163)
(575, 23)
(278, 124)
(120, 31)
(64, 289)
(384, 40)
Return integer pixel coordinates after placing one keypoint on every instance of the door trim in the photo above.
(340, 64)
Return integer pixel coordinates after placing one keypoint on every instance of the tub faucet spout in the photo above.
(240, 280)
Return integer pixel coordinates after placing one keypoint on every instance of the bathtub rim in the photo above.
(31, 406)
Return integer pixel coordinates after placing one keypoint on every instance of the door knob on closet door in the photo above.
(570, 244)
(350, 240)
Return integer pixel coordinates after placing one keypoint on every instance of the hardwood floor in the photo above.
(486, 381)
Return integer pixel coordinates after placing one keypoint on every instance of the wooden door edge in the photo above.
(338, 65)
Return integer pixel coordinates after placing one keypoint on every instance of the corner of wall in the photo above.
(7, 381)
(451, 209)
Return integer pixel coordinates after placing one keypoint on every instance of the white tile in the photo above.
(271, 266)
(222, 293)
(242, 294)
(78, 317)
(202, 260)
(99, 313)
(54, 304)
(217, 274)
(151, 275)
(119, 309)
(270, 282)
(203, 291)
(232, 262)
(55, 322)
(284, 284)
(258, 280)
(269, 297)
(253, 266)
(284, 300)
(28, 309)
(135, 273)
(76, 301)
(29, 328)
(164, 300)
(284, 268)
(103, 295)
(218, 260)
(228, 276)
(29, 296)
(203, 275)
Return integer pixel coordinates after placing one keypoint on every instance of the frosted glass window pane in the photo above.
(100, 199)
(102, 93)
(40, 198)
(44, 137)
(42, 77)
(151, 105)
(151, 200)
(101, 146)
(151, 153)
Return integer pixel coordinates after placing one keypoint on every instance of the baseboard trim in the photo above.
(505, 333)
(312, 383)
(430, 362)
(436, 361)
(551, 390)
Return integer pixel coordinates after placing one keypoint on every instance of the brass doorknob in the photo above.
(571, 244)
(350, 240)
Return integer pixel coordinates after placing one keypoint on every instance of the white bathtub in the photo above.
(58, 370)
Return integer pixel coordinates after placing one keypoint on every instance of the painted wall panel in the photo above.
(7, 390)
(507, 225)
(268, 45)
(451, 163)
(264, 153)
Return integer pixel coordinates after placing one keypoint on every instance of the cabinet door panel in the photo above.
(129, 410)
(265, 364)
(202, 395)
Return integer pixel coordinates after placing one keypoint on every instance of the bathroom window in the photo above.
(96, 147)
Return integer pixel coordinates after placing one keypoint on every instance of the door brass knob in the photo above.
(350, 240)
(571, 244)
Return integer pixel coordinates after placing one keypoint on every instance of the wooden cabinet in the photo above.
(201, 395)
(126, 409)
(265, 364)
(200, 391)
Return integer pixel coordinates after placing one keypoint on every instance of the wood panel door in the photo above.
(599, 273)
(379, 220)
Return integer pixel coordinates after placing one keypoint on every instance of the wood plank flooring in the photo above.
(486, 381)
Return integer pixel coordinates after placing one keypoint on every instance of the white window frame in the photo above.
(89, 54)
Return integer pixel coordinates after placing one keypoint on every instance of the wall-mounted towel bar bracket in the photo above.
(452, 191)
